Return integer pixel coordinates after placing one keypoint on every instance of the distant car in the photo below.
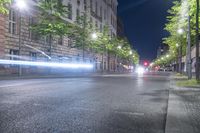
(160, 70)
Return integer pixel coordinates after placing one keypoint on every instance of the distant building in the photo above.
(163, 49)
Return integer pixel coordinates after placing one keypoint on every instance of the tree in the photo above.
(178, 19)
(81, 33)
(51, 20)
(3, 8)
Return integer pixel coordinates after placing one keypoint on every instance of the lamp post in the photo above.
(116, 58)
(197, 42)
(21, 5)
(180, 32)
(188, 58)
(94, 37)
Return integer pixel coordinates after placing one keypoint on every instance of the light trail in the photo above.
(47, 64)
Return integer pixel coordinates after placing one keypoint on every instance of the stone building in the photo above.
(17, 41)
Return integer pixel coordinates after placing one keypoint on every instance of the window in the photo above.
(78, 2)
(101, 11)
(33, 56)
(70, 42)
(69, 11)
(78, 15)
(96, 24)
(60, 1)
(47, 40)
(101, 28)
(96, 7)
(91, 5)
(12, 22)
(111, 18)
(104, 14)
(32, 34)
(91, 22)
(85, 5)
(14, 54)
(60, 40)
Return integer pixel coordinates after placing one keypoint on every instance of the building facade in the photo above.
(120, 28)
(18, 41)
(162, 50)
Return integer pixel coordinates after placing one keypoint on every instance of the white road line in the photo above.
(130, 113)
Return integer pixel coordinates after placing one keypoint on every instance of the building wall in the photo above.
(2, 34)
(33, 47)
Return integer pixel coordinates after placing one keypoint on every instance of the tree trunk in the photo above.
(108, 60)
(180, 59)
(188, 59)
(83, 51)
(102, 62)
(50, 45)
(20, 40)
(116, 63)
(197, 42)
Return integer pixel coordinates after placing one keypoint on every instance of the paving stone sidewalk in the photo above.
(183, 110)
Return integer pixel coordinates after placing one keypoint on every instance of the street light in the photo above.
(130, 52)
(94, 36)
(180, 31)
(119, 47)
(21, 5)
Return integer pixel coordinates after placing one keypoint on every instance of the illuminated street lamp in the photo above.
(130, 52)
(21, 4)
(167, 56)
(180, 31)
(119, 47)
(94, 36)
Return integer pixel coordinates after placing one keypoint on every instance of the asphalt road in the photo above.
(104, 104)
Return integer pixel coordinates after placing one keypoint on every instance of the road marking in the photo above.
(10, 102)
(130, 113)
(12, 85)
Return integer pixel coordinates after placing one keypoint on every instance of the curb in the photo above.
(178, 120)
(84, 75)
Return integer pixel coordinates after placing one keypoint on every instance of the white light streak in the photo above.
(47, 64)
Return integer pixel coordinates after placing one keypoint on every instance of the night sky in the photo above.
(144, 22)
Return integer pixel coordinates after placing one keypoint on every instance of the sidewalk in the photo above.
(183, 114)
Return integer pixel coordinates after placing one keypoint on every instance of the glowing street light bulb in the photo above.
(167, 56)
(119, 47)
(180, 31)
(21, 4)
(94, 36)
(131, 52)
(162, 58)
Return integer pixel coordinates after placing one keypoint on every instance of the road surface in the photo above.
(102, 104)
